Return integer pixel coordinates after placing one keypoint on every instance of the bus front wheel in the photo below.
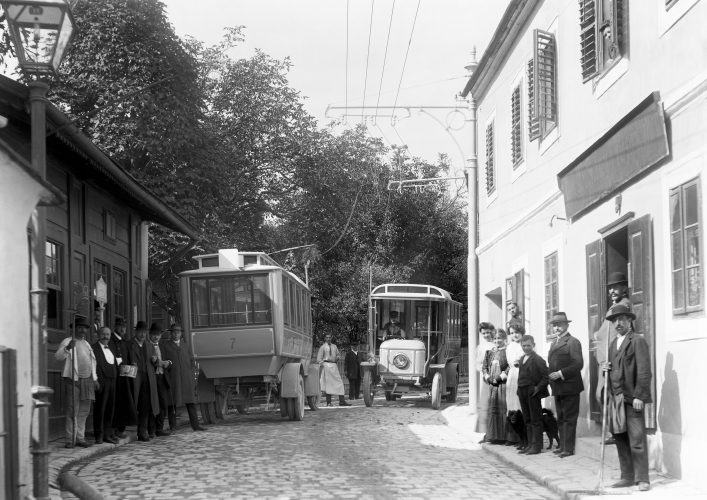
(367, 389)
(437, 391)
(295, 408)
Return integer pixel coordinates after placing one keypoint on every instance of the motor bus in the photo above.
(414, 343)
(249, 325)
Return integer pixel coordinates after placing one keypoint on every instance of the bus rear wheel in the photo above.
(284, 403)
(388, 395)
(452, 391)
(437, 391)
(208, 413)
(313, 402)
(295, 408)
(367, 389)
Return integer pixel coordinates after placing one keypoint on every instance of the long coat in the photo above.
(135, 355)
(125, 406)
(351, 365)
(180, 374)
(631, 368)
(151, 351)
(566, 356)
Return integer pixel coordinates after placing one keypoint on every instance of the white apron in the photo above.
(330, 380)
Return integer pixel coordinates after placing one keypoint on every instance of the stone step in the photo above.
(591, 447)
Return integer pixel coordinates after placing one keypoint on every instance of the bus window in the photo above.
(293, 309)
(298, 296)
(261, 300)
(285, 302)
(200, 303)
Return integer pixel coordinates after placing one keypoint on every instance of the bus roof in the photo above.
(410, 291)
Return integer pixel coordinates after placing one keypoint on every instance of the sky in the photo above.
(345, 49)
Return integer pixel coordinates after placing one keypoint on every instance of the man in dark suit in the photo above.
(155, 423)
(125, 408)
(107, 371)
(532, 388)
(352, 364)
(144, 384)
(629, 381)
(565, 363)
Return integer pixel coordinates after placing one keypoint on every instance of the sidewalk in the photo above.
(565, 475)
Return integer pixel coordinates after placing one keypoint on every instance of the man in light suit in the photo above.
(629, 381)
(565, 364)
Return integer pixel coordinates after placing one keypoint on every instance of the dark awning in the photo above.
(636, 142)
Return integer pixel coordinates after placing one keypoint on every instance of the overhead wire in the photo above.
(368, 55)
(403, 88)
(407, 52)
(385, 57)
(346, 92)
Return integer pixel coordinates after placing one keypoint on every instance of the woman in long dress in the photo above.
(495, 375)
(487, 331)
(513, 353)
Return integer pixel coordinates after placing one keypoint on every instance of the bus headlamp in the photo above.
(401, 361)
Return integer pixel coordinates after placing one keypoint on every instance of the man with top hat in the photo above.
(565, 363)
(628, 373)
(617, 289)
(144, 383)
(80, 381)
(155, 424)
(180, 376)
(125, 413)
(107, 371)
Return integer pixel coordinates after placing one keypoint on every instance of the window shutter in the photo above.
(544, 72)
(640, 282)
(621, 20)
(588, 39)
(595, 307)
(533, 123)
(516, 133)
(490, 173)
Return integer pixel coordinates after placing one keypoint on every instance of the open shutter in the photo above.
(588, 38)
(595, 307)
(533, 122)
(519, 295)
(640, 282)
(490, 171)
(544, 72)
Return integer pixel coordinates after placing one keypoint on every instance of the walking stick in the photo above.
(605, 411)
(74, 410)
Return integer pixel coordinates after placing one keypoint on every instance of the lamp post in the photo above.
(41, 31)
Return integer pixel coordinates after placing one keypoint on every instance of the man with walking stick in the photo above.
(80, 381)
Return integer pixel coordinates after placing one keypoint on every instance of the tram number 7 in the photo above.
(233, 341)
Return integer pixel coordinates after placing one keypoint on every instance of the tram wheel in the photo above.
(221, 403)
(284, 406)
(367, 392)
(313, 402)
(208, 413)
(437, 391)
(241, 408)
(388, 396)
(295, 407)
(452, 396)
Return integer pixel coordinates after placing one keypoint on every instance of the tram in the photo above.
(414, 343)
(249, 323)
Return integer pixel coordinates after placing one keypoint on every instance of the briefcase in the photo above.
(128, 371)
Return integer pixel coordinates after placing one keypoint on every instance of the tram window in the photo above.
(200, 303)
(250, 259)
(285, 302)
(293, 309)
(299, 307)
(407, 289)
(231, 300)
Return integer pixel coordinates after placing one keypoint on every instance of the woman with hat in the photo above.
(513, 354)
(495, 374)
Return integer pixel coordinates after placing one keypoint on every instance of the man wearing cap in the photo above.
(565, 363)
(144, 383)
(180, 376)
(81, 381)
(617, 288)
(107, 371)
(629, 377)
(330, 379)
(125, 408)
(155, 423)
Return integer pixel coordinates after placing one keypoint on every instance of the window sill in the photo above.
(603, 82)
(549, 140)
(490, 198)
(668, 17)
(518, 171)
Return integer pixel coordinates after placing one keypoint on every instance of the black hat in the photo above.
(560, 317)
(141, 325)
(120, 322)
(616, 279)
(156, 328)
(175, 326)
(619, 310)
(81, 321)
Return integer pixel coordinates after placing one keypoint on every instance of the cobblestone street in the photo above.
(400, 449)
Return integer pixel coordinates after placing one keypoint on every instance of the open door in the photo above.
(641, 285)
(595, 305)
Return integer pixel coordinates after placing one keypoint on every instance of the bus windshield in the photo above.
(242, 299)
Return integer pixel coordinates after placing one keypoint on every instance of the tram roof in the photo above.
(410, 291)
(231, 260)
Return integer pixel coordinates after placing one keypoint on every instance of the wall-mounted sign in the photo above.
(101, 291)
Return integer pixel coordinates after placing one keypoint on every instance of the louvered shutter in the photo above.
(490, 173)
(544, 77)
(533, 123)
(596, 300)
(588, 38)
(516, 132)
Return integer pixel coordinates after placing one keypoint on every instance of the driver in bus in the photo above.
(393, 328)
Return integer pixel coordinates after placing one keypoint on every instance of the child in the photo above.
(532, 388)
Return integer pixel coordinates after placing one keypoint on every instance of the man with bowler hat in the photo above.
(144, 383)
(80, 381)
(107, 371)
(155, 424)
(629, 375)
(617, 289)
(125, 408)
(180, 376)
(565, 365)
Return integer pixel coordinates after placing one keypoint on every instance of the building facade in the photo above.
(592, 134)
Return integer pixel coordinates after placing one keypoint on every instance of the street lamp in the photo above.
(41, 31)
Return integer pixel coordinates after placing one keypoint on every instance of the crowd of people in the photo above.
(138, 382)
(515, 377)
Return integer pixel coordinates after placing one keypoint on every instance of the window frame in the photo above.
(544, 113)
(118, 299)
(56, 287)
(591, 29)
(109, 226)
(554, 308)
(686, 309)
